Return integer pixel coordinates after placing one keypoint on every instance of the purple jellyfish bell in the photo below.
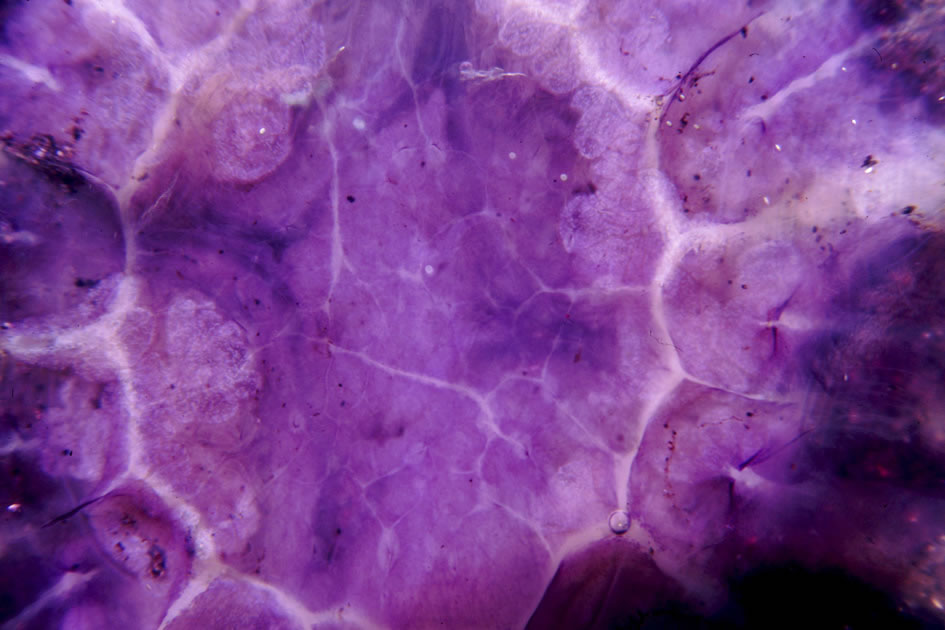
(472, 314)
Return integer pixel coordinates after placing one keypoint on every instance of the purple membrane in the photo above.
(472, 314)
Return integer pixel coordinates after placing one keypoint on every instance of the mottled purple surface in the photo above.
(472, 314)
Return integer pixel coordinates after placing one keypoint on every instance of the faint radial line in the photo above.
(36, 74)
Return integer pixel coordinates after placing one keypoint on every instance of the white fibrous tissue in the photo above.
(472, 314)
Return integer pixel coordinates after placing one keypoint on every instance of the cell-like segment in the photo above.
(141, 537)
(249, 129)
(82, 436)
(201, 390)
(735, 313)
(69, 422)
(99, 93)
(199, 402)
(612, 584)
(44, 271)
(232, 604)
(702, 457)
(718, 144)
(83, 556)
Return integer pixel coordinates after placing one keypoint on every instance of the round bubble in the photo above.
(619, 522)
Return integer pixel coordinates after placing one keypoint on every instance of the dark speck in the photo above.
(908, 210)
(158, 561)
(350, 198)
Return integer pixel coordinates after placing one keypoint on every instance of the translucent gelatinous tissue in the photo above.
(472, 315)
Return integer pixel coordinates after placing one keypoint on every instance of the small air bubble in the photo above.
(766, 200)
(15, 508)
(853, 120)
(777, 147)
(512, 155)
(359, 124)
(564, 177)
(619, 522)
(428, 270)
(262, 130)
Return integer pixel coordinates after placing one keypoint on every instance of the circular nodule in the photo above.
(619, 522)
